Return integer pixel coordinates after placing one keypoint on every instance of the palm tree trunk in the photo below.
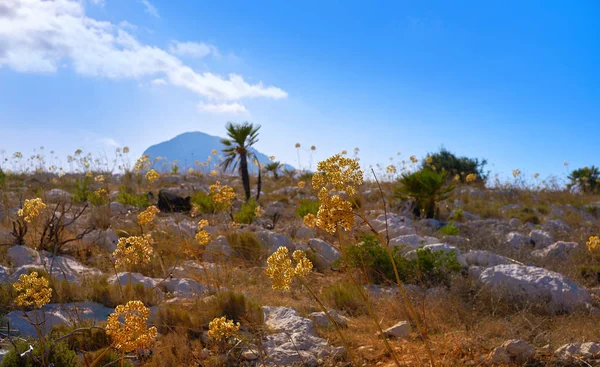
(245, 176)
(258, 184)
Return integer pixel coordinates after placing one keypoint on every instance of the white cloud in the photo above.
(126, 25)
(159, 82)
(193, 49)
(98, 2)
(39, 36)
(150, 9)
(110, 142)
(230, 108)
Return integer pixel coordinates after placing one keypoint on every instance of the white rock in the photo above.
(59, 314)
(218, 249)
(304, 233)
(21, 255)
(295, 340)
(272, 241)
(537, 285)
(321, 320)
(557, 225)
(185, 288)
(400, 330)
(326, 253)
(519, 350)
(517, 240)
(106, 239)
(485, 258)
(117, 208)
(135, 278)
(575, 351)
(412, 241)
(66, 267)
(397, 225)
(540, 238)
(57, 195)
(557, 251)
(514, 223)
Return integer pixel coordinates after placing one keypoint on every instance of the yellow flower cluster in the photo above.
(128, 329)
(456, 177)
(301, 184)
(593, 244)
(429, 160)
(334, 212)
(99, 178)
(471, 177)
(133, 250)
(147, 215)
(516, 173)
(338, 173)
(310, 220)
(280, 269)
(31, 209)
(213, 173)
(142, 163)
(259, 211)
(391, 169)
(33, 290)
(214, 152)
(202, 237)
(152, 175)
(413, 159)
(220, 328)
(222, 194)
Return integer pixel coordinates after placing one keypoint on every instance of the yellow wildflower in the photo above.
(33, 291)
(338, 173)
(152, 175)
(99, 178)
(89, 174)
(516, 173)
(391, 169)
(297, 145)
(301, 184)
(471, 177)
(428, 159)
(213, 173)
(280, 269)
(214, 152)
(310, 220)
(413, 159)
(259, 211)
(133, 250)
(593, 243)
(128, 328)
(220, 328)
(31, 209)
(222, 194)
(203, 237)
(147, 215)
(334, 212)
(456, 177)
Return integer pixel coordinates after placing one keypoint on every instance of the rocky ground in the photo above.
(527, 292)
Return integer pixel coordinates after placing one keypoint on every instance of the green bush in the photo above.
(81, 192)
(306, 207)
(247, 213)
(246, 246)
(449, 230)
(426, 268)
(459, 214)
(427, 187)
(586, 178)
(345, 297)
(463, 166)
(128, 197)
(204, 203)
(60, 355)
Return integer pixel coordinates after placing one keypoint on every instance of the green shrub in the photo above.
(246, 246)
(463, 166)
(426, 268)
(247, 213)
(449, 230)
(204, 203)
(459, 214)
(306, 207)
(345, 297)
(427, 187)
(81, 190)
(587, 179)
(60, 355)
(128, 197)
(591, 273)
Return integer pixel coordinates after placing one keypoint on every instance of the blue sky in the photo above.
(515, 82)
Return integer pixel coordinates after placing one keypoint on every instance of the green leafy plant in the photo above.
(449, 230)
(345, 297)
(237, 151)
(204, 203)
(247, 213)
(462, 166)
(307, 206)
(60, 355)
(586, 178)
(273, 169)
(81, 192)
(128, 197)
(426, 187)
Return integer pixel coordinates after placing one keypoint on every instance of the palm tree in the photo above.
(237, 150)
(273, 167)
(587, 178)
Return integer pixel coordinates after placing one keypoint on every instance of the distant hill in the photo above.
(190, 147)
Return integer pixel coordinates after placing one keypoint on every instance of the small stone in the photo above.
(400, 330)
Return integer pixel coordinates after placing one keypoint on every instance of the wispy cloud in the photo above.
(41, 36)
(192, 49)
(150, 9)
(159, 82)
(225, 108)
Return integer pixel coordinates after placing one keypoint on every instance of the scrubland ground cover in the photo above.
(421, 263)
